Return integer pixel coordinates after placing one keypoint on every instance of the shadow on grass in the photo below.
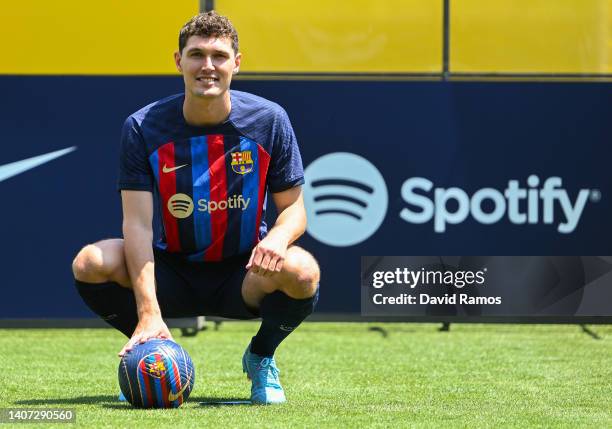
(110, 401)
(121, 406)
(203, 401)
(221, 402)
(69, 401)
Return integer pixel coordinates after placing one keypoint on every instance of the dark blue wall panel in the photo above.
(465, 134)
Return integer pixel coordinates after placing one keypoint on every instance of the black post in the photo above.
(207, 5)
(446, 41)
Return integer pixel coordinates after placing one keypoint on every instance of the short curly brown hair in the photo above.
(209, 24)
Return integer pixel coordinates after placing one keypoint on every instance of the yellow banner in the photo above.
(531, 36)
(132, 37)
(341, 36)
(80, 37)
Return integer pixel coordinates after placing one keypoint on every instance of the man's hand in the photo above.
(268, 256)
(147, 328)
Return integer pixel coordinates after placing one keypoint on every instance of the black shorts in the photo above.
(189, 289)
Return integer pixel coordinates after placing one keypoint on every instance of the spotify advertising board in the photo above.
(513, 178)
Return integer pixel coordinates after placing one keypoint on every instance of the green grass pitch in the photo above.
(336, 375)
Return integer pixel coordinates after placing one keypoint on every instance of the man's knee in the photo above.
(87, 263)
(302, 273)
(98, 262)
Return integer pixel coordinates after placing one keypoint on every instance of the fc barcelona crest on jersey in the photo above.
(242, 162)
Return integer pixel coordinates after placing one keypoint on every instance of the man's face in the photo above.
(207, 65)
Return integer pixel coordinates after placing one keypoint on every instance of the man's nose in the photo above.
(208, 64)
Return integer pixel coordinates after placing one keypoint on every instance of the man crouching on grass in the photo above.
(205, 159)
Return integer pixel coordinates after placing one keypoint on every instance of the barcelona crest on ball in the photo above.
(156, 374)
(242, 163)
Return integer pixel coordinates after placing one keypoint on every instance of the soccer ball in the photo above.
(156, 374)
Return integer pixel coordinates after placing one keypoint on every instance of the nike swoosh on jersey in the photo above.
(174, 396)
(14, 168)
(171, 169)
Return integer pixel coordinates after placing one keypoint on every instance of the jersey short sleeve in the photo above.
(134, 169)
(286, 170)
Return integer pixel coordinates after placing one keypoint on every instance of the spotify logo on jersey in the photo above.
(180, 205)
(346, 199)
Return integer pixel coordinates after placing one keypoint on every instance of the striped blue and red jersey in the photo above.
(210, 183)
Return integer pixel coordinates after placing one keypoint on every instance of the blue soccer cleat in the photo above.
(263, 373)
(121, 397)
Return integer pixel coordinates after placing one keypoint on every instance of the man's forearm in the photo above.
(291, 222)
(140, 264)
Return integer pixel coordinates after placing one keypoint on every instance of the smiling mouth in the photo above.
(206, 79)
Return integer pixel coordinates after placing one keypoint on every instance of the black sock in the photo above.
(280, 316)
(116, 305)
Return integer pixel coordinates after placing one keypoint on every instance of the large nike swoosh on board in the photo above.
(14, 168)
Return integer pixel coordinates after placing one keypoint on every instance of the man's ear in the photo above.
(177, 61)
(237, 62)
